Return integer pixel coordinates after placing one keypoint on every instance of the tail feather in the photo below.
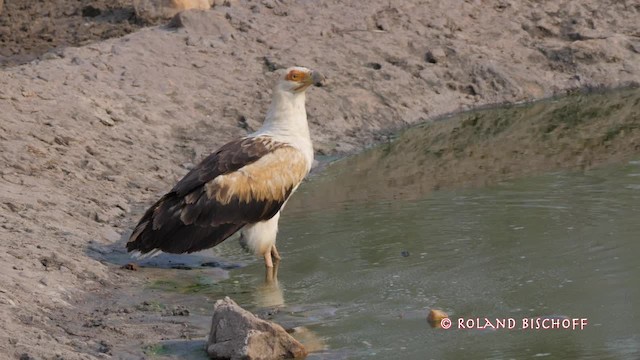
(162, 229)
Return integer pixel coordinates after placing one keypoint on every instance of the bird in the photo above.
(242, 187)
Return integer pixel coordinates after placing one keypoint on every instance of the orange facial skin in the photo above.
(296, 75)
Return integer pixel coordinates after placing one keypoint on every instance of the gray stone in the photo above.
(435, 55)
(238, 334)
(105, 120)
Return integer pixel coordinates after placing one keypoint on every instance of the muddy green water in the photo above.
(361, 268)
(362, 273)
(561, 244)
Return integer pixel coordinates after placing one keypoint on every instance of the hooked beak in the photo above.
(315, 79)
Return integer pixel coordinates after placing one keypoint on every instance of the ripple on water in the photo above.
(561, 243)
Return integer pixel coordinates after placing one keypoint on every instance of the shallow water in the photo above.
(366, 255)
(361, 274)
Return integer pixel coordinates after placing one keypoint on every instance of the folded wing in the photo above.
(245, 182)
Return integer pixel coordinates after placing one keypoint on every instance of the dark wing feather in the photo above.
(206, 206)
(228, 158)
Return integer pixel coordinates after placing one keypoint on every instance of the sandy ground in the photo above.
(29, 29)
(92, 135)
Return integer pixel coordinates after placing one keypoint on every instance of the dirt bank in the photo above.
(91, 135)
(30, 29)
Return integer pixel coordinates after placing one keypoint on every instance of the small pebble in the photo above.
(131, 266)
(435, 317)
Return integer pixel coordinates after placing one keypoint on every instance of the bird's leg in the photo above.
(275, 253)
(271, 256)
(268, 262)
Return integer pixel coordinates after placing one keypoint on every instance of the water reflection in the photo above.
(269, 294)
(363, 274)
(483, 147)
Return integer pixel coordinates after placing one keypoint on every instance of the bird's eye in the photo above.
(294, 76)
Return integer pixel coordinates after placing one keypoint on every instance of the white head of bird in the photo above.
(287, 113)
(296, 80)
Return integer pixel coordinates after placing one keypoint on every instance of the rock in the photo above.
(238, 334)
(105, 120)
(434, 56)
(48, 56)
(100, 217)
(93, 323)
(1, 2)
(104, 347)
(435, 317)
(122, 205)
(51, 262)
(374, 66)
(150, 306)
(77, 61)
(130, 266)
(178, 310)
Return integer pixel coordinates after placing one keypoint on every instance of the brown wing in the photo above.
(244, 182)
